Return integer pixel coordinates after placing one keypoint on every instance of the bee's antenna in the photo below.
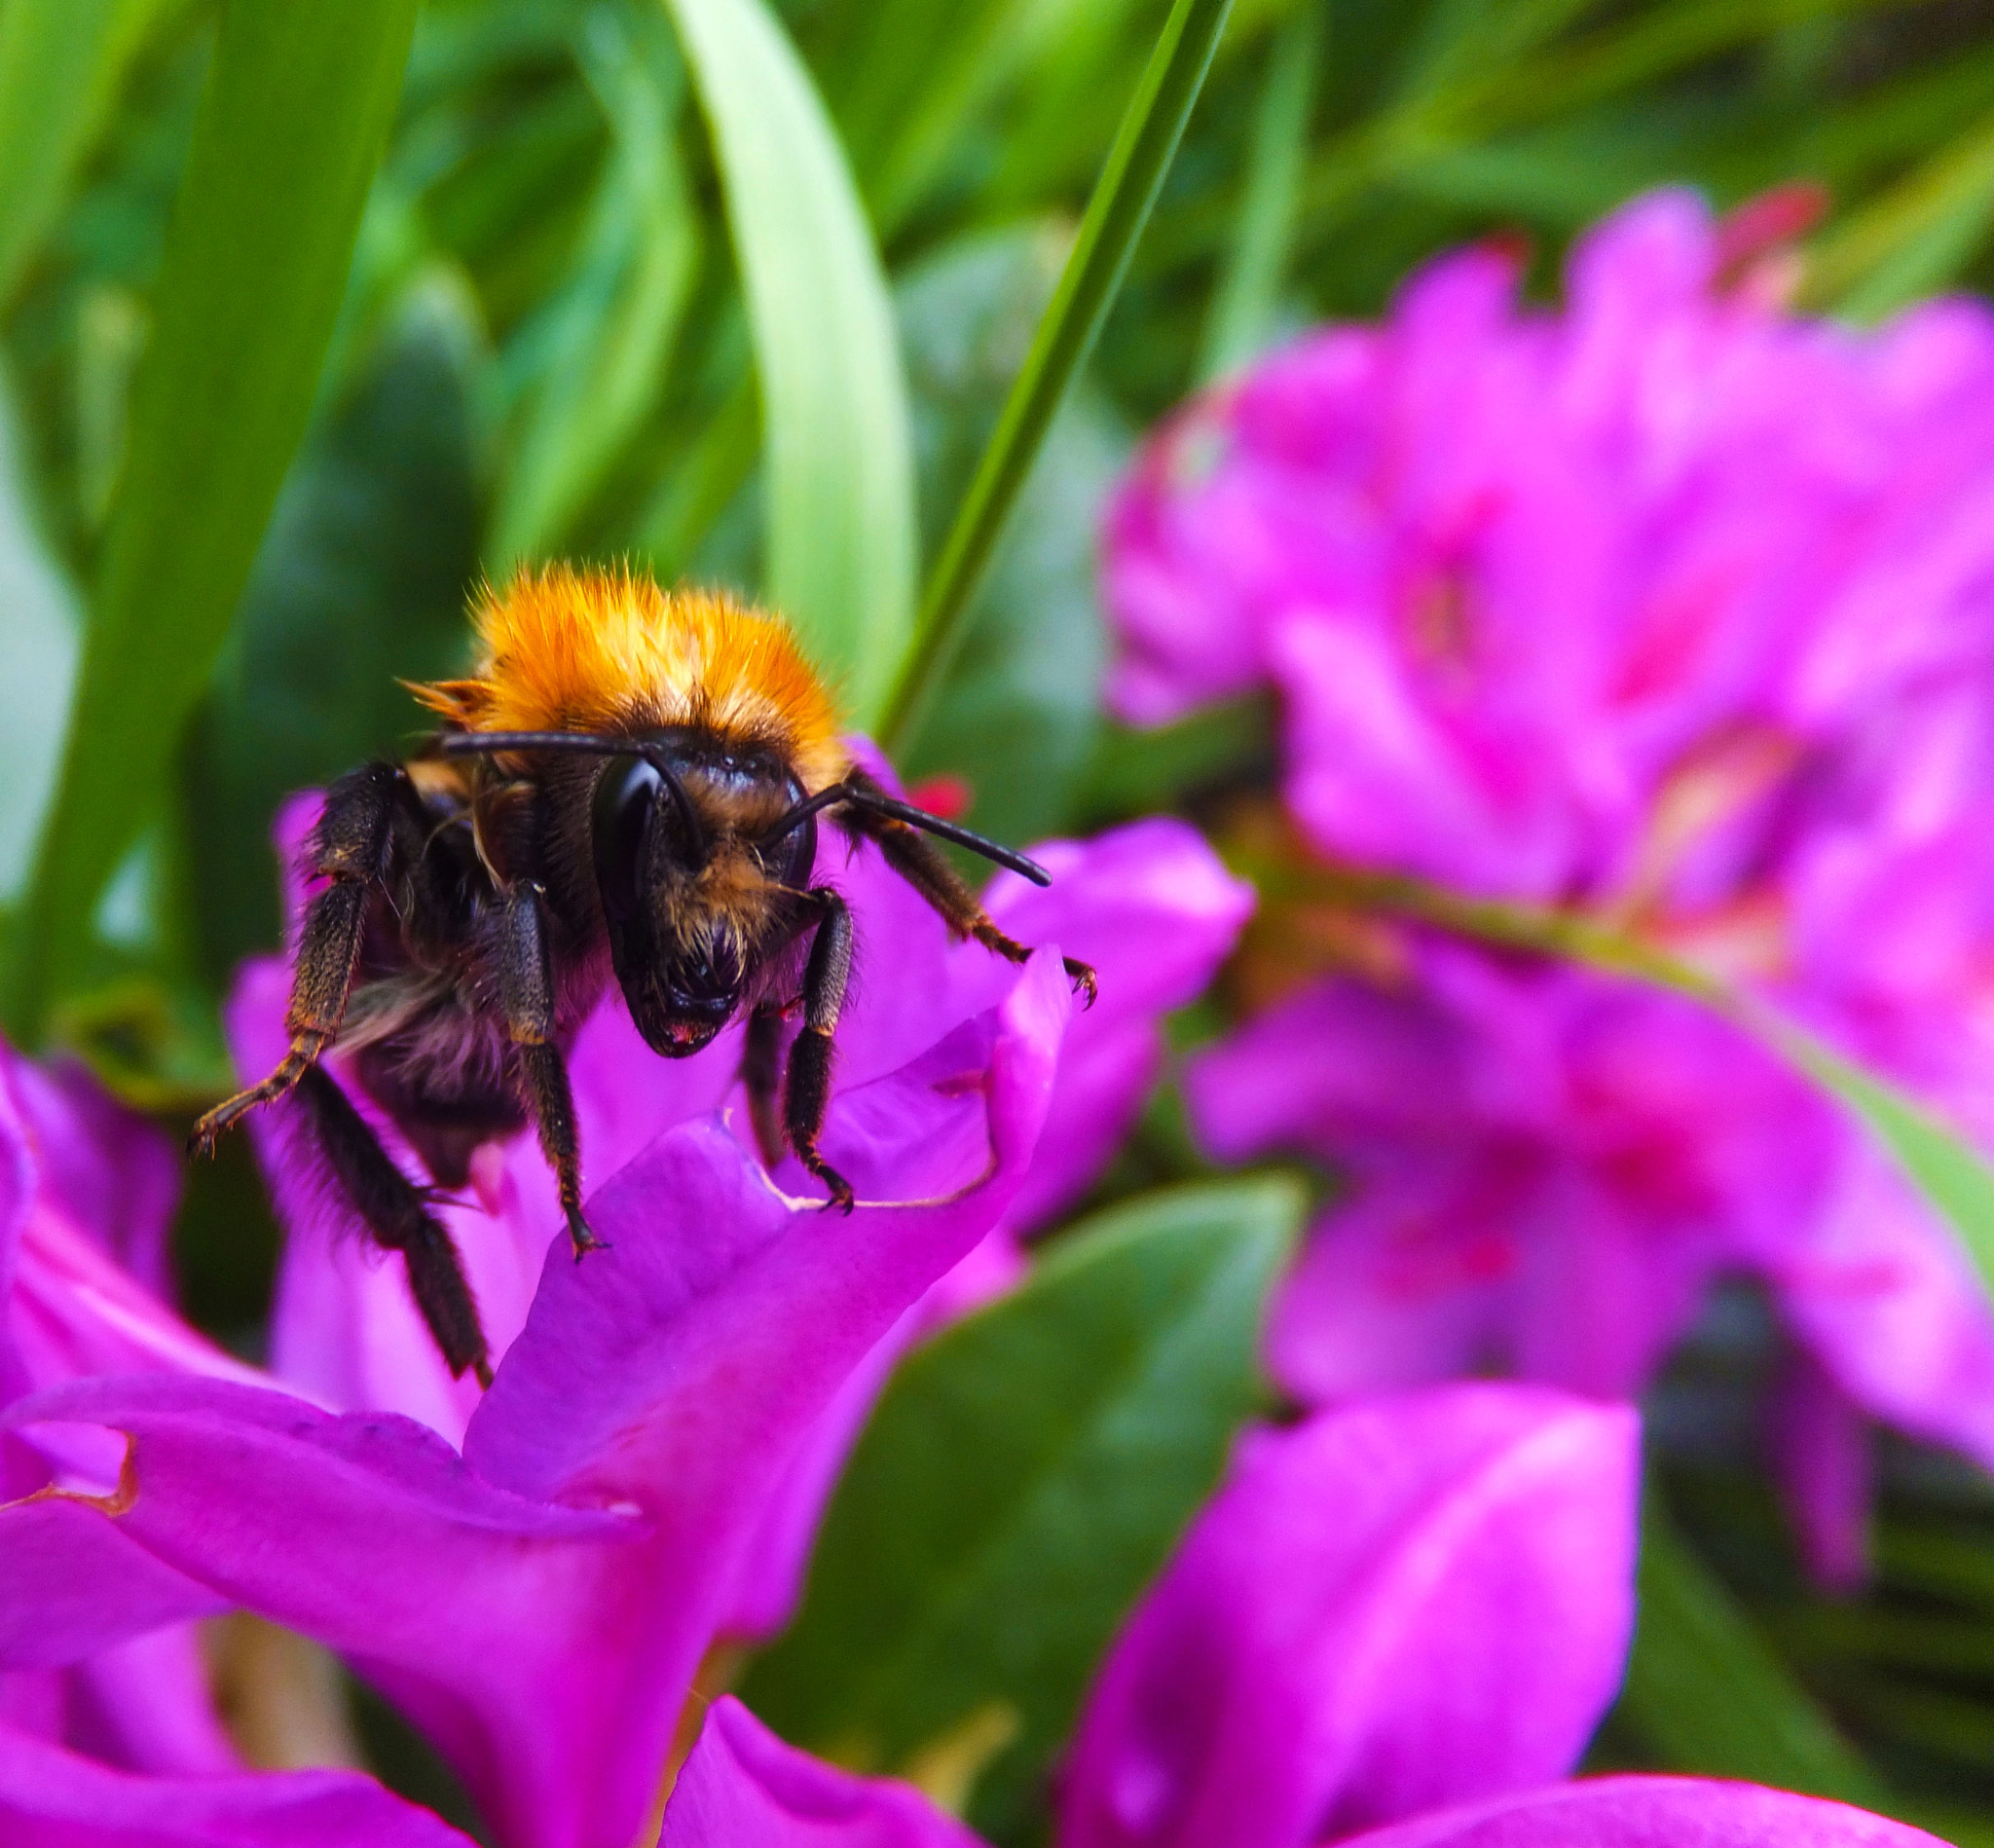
(878, 802)
(689, 816)
(468, 744)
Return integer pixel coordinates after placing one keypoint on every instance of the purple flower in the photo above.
(1149, 906)
(539, 1604)
(1395, 1623)
(1392, 1608)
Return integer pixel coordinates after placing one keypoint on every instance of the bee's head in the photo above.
(686, 891)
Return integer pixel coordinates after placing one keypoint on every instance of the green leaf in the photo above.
(1022, 1480)
(1018, 714)
(59, 60)
(1705, 1692)
(292, 118)
(1943, 1168)
(1242, 315)
(1916, 237)
(360, 582)
(599, 347)
(38, 650)
(839, 483)
(1116, 214)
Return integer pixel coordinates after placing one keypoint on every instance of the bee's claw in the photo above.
(1081, 975)
(583, 1239)
(841, 1194)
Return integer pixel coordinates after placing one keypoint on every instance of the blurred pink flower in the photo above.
(1676, 607)
(1545, 1170)
(1577, 606)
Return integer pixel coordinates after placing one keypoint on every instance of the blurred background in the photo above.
(544, 347)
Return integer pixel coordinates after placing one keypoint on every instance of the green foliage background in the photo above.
(312, 313)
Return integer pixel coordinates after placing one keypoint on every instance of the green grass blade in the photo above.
(608, 335)
(1242, 309)
(1949, 1174)
(838, 453)
(1916, 237)
(1707, 1694)
(291, 123)
(58, 60)
(1024, 1478)
(1114, 217)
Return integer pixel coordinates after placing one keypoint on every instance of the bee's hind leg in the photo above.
(395, 1214)
(350, 846)
(526, 985)
(807, 1093)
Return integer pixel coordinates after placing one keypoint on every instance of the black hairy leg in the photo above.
(917, 860)
(762, 1073)
(395, 1213)
(352, 846)
(808, 1092)
(526, 988)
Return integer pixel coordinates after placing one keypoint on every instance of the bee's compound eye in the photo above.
(626, 806)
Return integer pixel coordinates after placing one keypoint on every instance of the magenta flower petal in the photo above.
(744, 1787)
(1545, 1169)
(1155, 911)
(1888, 1305)
(146, 1706)
(112, 1174)
(53, 1798)
(369, 1533)
(1650, 1812)
(1408, 1603)
(659, 1391)
(77, 1584)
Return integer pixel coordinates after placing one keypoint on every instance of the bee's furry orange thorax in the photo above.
(566, 650)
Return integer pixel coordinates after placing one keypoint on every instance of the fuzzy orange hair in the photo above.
(566, 650)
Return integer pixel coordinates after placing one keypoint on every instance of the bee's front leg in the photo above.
(526, 988)
(352, 846)
(807, 1093)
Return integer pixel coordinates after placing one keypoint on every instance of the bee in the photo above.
(629, 787)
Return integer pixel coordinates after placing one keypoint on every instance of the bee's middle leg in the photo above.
(807, 1093)
(526, 985)
(395, 1213)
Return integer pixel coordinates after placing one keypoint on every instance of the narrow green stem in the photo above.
(1114, 217)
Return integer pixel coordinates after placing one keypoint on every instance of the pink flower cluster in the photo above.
(1670, 606)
